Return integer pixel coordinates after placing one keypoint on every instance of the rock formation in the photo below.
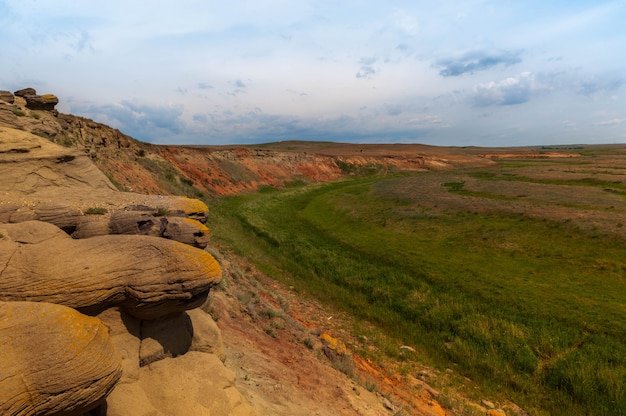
(98, 290)
(44, 102)
(7, 97)
(54, 360)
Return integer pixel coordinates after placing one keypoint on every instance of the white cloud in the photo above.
(611, 122)
(510, 91)
(302, 68)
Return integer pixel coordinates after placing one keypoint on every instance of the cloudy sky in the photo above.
(464, 72)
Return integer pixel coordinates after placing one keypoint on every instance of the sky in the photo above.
(449, 73)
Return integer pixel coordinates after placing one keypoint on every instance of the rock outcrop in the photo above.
(7, 97)
(78, 258)
(55, 361)
(147, 277)
(44, 102)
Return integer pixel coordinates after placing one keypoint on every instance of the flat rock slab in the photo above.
(55, 360)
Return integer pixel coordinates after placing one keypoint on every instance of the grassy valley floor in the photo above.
(514, 277)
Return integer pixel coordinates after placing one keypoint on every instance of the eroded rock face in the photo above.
(144, 276)
(7, 97)
(44, 102)
(197, 384)
(68, 237)
(55, 361)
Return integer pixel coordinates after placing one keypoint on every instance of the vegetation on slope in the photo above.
(530, 306)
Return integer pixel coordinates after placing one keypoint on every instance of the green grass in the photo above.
(169, 178)
(572, 182)
(531, 309)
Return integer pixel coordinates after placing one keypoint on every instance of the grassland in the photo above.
(514, 276)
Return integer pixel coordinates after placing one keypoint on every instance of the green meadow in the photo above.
(515, 277)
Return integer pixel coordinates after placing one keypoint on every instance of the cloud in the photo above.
(143, 122)
(612, 122)
(509, 91)
(367, 69)
(598, 84)
(476, 61)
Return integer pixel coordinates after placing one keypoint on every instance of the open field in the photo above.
(513, 275)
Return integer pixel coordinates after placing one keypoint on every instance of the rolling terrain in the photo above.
(461, 280)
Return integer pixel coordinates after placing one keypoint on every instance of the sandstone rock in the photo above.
(125, 333)
(193, 330)
(333, 348)
(55, 361)
(186, 207)
(37, 102)
(33, 166)
(195, 384)
(92, 226)
(496, 412)
(165, 338)
(144, 276)
(207, 337)
(132, 222)
(63, 216)
(7, 97)
(186, 230)
(24, 92)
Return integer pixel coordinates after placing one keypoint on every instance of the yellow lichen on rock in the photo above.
(55, 360)
(334, 344)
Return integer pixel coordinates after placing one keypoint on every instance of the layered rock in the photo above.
(7, 97)
(55, 361)
(146, 277)
(69, 239)
(34, 101)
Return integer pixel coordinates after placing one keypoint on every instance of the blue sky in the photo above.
(453, 73)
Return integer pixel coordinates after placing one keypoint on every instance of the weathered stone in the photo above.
(55, 361)
(63, 216)
(44, 102)
(24, 92)
(125, 332)
(7, 97)
(33, 166)
(196, 384)
(207, 337)
(137, 223)
(187, 230)
(165, 338)
(146, 277)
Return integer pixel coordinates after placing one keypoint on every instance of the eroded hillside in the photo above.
(221, 170)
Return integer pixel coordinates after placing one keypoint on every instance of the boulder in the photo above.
(34, 101)
(44, 102)
(186, 230)
(144, 276)
(7, 97)
(24, 92)
(55, 361)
